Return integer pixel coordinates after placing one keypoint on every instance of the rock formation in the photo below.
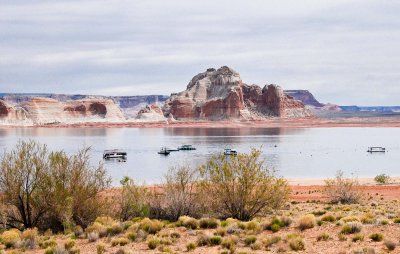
(151, 112)
(304, 96)
(221, 94)
(40, 111)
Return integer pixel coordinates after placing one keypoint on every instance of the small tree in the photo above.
(132, 201)
(241, 186)
(382, 179)
(343, 190)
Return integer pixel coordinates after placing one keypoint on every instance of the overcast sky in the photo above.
(345, 52)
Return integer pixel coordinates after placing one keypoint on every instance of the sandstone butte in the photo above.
(221, 94)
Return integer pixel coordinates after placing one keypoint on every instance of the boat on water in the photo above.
(186, 148)
(114, 154)
(164, 151)
(229, 151)
(376, 149)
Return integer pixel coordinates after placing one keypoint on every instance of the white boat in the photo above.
(114, 154)
(229, 151)
(186, 147)
(376, 149)
(164, 151)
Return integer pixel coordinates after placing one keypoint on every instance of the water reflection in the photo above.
(231, 131)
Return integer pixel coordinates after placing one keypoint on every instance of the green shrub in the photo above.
(382, 179)
(190, 246)
(307, 221)
(268, 242)
(151, 226)
(275, 228)
(153, 243)
(215, 240)
(47, 243)
(229, 243)
(328, 218)
(250, 240)
(208, 223)
(252, 225)
(297, 244)
(396, 220)
(342, 237)
(351, 228)
(10, 238)
(376, 237)
(100, 248)
(188, 222)
(121, 241)
(203, 240)
(68, 245)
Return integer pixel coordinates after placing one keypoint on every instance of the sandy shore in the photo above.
(311, 122)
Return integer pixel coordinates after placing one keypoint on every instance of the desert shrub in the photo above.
(188, 222)
(131, 236)
(250, 240)
(368, 218)
(215, 240)
(307, 221)
(47, 243)
(390, 244)
(275, 227)
(382, 179)
(255, 246)
(132, 200)
(296, 244)
(93, 236)
(208, 223)
(114, 229)
(151, 226)
(100, 248)
(242, 187)
(342, 190)
(50, 189)
(30, 238)
(153, 243)
(203, 240)
(342, 237)
(268, 242)
(68, 245)
(323, 237)
(396, 220)
(10, 238)
(229, 243)
(358, 237)
(351, 228)
(121, 241)
(190, 246)
(251, 225)
(376, 237)
(328, 218)
(98, 228)
(220, 231)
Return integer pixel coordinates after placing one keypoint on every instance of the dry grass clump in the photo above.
(93, 236)
(250, 240)
(11, 238)
(97, 228)
(297, 244)
(390, 244)
(190, 246)
(209, 223)
(121, 241)
(203, 239)
(270, 241)
(153, 243)
(100, 248)
(351, 228)
(46, 243)
(328, 218)
(376, 237)
(151, 226)
(215, 240)
(188, 222)
(323, 237)
(368, 218)
(230, 242)
(30, 238)
(307, 221)
(358, 237)
(396, 220)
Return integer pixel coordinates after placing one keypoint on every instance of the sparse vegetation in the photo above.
(343, 190)
(297, 244)
(306, 222)
(376, 237)
(351, 228)
(390, 244)
(382, 179)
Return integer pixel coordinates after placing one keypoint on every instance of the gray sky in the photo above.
(345, 52)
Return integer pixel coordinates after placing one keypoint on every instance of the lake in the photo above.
(293, 152)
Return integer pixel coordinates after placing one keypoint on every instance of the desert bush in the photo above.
(323, 237)
(151, 226)
(396, 220)
(153, 243)
(68, 245)
(296, 244)
(132, 200)
(188, 222)
(47, 243)
(229, 243)
(93, 236)
(351, 228)
(11, 238)
(368, 218)
(208, 223)
(307, 221)
(241, 186)
(268, 242)
(121, 241)
(190, 246)
(376, 237)
(343, 190)
(382, 179)
(50, 189)
(29, 238)
(215, 240)
(203, 239)
(328, 218)
(358, 237)
(342, 237)
(390, 244)
(100, 248)
(250, 240)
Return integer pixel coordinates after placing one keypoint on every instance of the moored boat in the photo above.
(376, 149)
(114, 154)
(229, 151)
(164, 151)
(186, 147)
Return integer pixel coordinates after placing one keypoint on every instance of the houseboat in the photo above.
(164, 151)
(229, 151)
(186, 147)
(114, 154)
(376, 149)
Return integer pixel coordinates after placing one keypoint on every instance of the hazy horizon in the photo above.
(344, 52)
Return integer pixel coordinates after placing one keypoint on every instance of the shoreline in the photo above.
(381, 122)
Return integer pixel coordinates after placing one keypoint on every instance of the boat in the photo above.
(164, 151)
(229, 151)
(376, 149)
(186, 147)
(172, 150)
(114, 154)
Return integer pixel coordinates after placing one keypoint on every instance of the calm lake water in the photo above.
(294, 153)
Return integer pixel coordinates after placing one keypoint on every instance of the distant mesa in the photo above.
(221, 94)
